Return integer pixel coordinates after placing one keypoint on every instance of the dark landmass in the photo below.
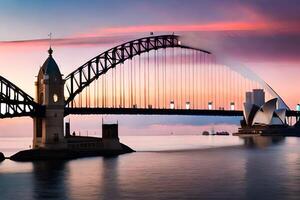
(267, 134)
(270, 130)
(66, 154)
(2, 157)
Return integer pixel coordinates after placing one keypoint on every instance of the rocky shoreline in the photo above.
(66, 154)
(2, 157)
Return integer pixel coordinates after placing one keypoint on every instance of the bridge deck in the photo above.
(147, 111)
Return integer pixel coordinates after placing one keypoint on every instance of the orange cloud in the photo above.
(192, 27)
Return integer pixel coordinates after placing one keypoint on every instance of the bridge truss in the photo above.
(14, 102)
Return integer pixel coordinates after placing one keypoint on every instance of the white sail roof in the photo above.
(246, 111)
(281, 113)
(265, 113)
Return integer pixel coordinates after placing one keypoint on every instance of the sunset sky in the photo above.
(262, 35)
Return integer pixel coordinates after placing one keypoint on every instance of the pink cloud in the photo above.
(72, 41)
(257, 25)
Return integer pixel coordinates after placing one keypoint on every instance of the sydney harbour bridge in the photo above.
(152, 75)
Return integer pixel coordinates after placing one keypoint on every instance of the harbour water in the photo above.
(164, 167)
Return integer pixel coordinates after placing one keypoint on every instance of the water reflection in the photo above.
(110, 179)
(261, 141)
(96, 178)
(49, 180)
(269, 169)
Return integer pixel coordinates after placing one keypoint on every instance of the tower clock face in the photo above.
(55, 98)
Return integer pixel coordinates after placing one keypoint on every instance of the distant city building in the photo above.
(258, 97)
(253, 101)
(248, 98)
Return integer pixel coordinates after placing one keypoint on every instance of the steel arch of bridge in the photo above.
(14, 102)
(94, 68)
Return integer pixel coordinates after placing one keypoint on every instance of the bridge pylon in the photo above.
(49, 129)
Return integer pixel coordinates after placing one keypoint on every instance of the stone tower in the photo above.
(49, 130)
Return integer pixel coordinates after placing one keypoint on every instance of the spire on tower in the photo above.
(50, 51)
(50, 38)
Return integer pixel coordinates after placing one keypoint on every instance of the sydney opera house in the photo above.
(264, 118)
(264, 115)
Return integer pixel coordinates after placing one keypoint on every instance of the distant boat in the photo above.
(205, 133)
(222, 133)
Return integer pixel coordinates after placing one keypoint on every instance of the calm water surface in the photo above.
(165, 167)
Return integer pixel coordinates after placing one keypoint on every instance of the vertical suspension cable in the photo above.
(200, 86)
(116, 87)
(120, 85)
(196, 79)
(94, 95)
(112, 87)
(193, 80)
(97, 92)
(134, 81)
(145, 86)
(128, 80)
(189, 76)
(139, 85)
(172, 76)
(175, 80)
(185, 77)
(165, 78)
(205, 79)
(106, 90)
(181, 94)
(89, 95)
(148, 74)
(174, 83)
(226, 102)
(231, 87)
(103, 90)
(80, 99)
(130, 84)
(123, 86)
(155, 79)
(217, 83)
(158, 77)
(86, 97)
(238, 89)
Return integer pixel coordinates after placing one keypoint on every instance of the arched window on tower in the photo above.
(55, 98)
